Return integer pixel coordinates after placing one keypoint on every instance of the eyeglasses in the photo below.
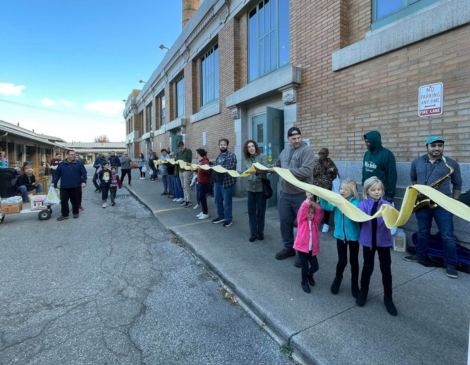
(322, 153)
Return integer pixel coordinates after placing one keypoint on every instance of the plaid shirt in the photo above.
(228, 161)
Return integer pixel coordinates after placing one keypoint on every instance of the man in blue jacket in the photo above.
(114, 161)
(72, 175)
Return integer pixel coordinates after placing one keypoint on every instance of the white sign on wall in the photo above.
(431, 100)
(203, 138)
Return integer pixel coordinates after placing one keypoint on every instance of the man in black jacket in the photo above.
(114, 161)
(27, 182)
(72, 174)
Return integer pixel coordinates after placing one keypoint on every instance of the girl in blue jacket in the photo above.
(375, 236)
(347, 235)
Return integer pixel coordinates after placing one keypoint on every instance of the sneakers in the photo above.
(425, 262)
(305, 286)
(284, 254)
(451, 272)
(26, 201)
(81, 208)
(204, 216)
(113, 204)
(164, 193)
(218, 220)
(129, 184)
(252, 239)
(196, 206)
(198, 215)
(297, 262)
(391, 309)
(335, 286)
(175, 200)
(227, 224)
(75, 216)
(182, 202)
(261, 237)
(187, 204)
(62, 218)
(326, 228)
(104, 205)
(142, 178)
(171, 197)
(412, 258)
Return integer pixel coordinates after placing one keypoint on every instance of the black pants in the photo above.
(95, 177)
(326, 216)
(256, 213)
(203, 190)
(104, 192)
(72, 194)
(125, 172)
(385, 259)
(343, 259)
(305, 259)
(142, 174)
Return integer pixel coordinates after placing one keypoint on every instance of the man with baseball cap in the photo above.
(426, 170)
(299, 158)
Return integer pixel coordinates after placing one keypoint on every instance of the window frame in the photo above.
(178, 96)
(213, 48)
(275, 30)
(149, 110)
(162, 109)
(408, 7)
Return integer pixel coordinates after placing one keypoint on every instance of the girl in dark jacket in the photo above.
(375, 236)
(203, 182)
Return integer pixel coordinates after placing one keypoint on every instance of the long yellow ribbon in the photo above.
(391, 216)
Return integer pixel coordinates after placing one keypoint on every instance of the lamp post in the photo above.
(163, 47)
(142, 82)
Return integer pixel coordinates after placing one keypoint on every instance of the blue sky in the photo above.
(66, 65)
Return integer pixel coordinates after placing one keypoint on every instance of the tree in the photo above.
(102, 139)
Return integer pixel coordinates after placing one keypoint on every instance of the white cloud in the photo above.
(106, 107)
(47, 101)
(11, 89)
(68, 103)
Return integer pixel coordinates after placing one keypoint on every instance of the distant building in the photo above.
(90, 150)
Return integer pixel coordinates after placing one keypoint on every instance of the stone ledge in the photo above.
(206, 112)
(176, 123)
(265, 86)
(425, 23)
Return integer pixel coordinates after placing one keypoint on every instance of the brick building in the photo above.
(245, 69)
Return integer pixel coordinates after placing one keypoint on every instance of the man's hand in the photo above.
(52, 185)
(309, 195)
(83, 185)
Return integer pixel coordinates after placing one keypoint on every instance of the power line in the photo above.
(76, 114)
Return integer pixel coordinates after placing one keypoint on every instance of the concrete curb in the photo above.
(273, 330)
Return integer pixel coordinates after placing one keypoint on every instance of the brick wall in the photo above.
(359, 15)
(335, 109)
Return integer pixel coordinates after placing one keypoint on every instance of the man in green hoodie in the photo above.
(379, 161)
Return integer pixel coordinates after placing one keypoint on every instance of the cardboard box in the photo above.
(37, 201)
(11, 208)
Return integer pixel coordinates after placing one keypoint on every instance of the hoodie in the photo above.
(380, 162)
(384, 236)
(345, 228)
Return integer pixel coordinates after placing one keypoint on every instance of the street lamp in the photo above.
(142, 82)
(162, 47)
(124, 100)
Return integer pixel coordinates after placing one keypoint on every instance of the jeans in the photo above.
(95, 177)
(196, 191)
(342, 249)
(305, 259)
(385, 260)
(178, 188)
(288, 208)
(23, 189)
(203, 189)
(104, 192)
(125, 172)
(67, 194)
(142, 174)
(185, 177)
(256, 213)
(171, 184)
(165, 178)
(445, 223)
(222, 195)
(155, 173)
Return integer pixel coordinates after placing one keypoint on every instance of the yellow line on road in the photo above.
(192, 224)
(166, 210)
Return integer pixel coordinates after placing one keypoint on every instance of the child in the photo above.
(105, 179)
(347, 235)
(375, 236)
(307, 242)
(114, 185)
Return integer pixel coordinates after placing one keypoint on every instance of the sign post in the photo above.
(431, 100)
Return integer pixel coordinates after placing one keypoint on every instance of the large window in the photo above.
(150, 116)
(387, 11)
(162, 109)
(268, 37)
(210, 75)
(180, 97)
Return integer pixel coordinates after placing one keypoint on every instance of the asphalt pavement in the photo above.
(432, 326)
(116, 287)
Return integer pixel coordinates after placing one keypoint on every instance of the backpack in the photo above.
(435, 251)
(465, 198)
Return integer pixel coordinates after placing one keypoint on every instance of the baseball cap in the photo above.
(293, 131)
(434, 139)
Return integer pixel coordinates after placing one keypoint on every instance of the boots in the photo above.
(305, 286)
(388, 301)
(354, 288)
(362, 297)
(336, 284)
(311, 280)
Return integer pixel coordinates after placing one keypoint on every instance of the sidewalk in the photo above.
(432, 325)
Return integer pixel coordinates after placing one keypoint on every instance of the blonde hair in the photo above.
(352, 186)
(369, 184)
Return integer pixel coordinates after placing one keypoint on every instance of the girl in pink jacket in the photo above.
(307, 242)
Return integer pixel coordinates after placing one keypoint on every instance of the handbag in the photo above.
(336, 185)
(144, 168)
(267, 189)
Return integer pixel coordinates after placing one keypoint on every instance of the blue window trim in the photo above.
(212, 48)
(408, 8)
(162, 110)
(178, 79)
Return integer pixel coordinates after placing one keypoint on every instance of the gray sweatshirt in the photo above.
(425, 173)
(126, 164)
(300, 162)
